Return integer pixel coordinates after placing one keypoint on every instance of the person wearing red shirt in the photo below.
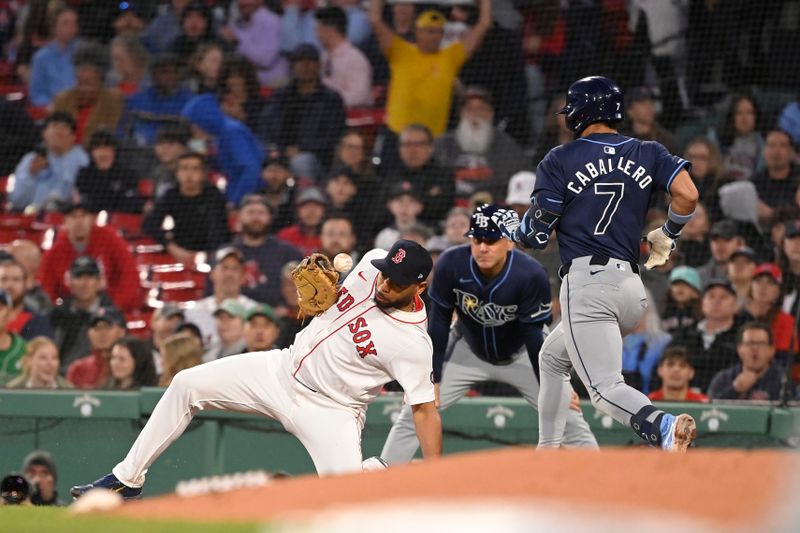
(82, 236)
(106, 326)
(305, 234)
(764, 305)
(676, 371)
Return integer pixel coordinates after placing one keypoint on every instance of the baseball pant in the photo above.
(599, 304)
(257, 383)
(462, 370)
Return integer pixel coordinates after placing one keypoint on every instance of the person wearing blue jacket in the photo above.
(238, 154)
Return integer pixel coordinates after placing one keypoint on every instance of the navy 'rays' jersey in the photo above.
(601, 186)
(490, 312)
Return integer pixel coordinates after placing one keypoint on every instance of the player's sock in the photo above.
(647, 424)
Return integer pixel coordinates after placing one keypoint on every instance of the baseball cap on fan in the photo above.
(520, 187)
(481, 224)
(407, 262)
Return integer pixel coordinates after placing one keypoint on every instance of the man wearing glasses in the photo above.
(502, 299)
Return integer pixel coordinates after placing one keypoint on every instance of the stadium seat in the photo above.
(130, 224)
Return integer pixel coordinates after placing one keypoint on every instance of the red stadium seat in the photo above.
(147, 188)
(53, 218)
(16, 221)
(130, 224)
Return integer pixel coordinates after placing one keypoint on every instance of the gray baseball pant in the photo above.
(599, 304)
(462, 370)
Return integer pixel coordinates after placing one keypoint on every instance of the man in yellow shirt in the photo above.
(423, 74)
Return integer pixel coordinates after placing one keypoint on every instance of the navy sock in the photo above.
(647, 424)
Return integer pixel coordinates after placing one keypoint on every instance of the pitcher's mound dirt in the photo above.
(720, 486)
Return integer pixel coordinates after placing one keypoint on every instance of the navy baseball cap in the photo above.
(719, 282)
(481, 223)
(84, 266)
(107, 314)
(407, 262)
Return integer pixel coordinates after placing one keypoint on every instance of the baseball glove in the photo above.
(315, 279)
(660, 248)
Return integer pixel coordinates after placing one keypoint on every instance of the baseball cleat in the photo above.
(677, 432)
(111, 483)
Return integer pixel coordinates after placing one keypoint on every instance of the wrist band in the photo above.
(674, 225)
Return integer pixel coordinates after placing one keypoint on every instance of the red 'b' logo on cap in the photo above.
(399, 256)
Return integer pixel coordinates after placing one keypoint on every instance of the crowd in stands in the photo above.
(170, 162)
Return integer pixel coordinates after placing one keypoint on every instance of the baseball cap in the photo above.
(304, 51)
(77, 201)
(476, 92)
(719, 282)
(406, 262)
(225, 252)
(232, 307)
(107, 314)
(792, 229)
(520, 187)
(481, 223)
(686, 274)
(310, 194)
(430, 19)
(276, 157)
(170, 311)
(84, 266)
(769, 269)
(261, 310)
(402, 188)
(5, 299)
(724, 229)
(744, 251)
(255, 199)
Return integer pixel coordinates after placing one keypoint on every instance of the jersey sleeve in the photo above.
(549, 189)
(412, 366)
(535, 303)
(666, 166)
(366, 265)
(441, 288)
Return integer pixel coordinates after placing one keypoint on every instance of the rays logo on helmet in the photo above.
(399, 256)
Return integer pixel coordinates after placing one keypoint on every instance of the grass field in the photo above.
(49, 519)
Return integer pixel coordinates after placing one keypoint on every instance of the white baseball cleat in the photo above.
(677, 432)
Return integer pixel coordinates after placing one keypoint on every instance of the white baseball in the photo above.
(342, 262)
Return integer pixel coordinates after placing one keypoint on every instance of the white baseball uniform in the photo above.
(319, 388)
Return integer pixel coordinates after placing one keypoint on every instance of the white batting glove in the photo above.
(660, 248)
(508, 222)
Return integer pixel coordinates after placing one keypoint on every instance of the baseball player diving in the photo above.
(595, 192)
(365, 334)
(502, 299)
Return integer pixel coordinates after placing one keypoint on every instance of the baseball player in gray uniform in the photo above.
(595, 191)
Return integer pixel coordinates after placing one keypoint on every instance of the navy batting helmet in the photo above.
(481, 223)
(590, 100)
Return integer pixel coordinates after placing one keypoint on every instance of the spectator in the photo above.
(405, 205)
(763, 305)
(290, 322)
(48, 173)
(91, 104)
(160, 32)
(261, 330)
(40, 366)
(434, 183)
(305, 119)
(338, 237)
(128, 19)
(756, 376)
(694, 246)
(310, 213)
(682, 309)
(642, 123)
(279, 188)
(725, 240)
(205, 68)
(484, 156)
(24, 321)
(229, 318)
(131, 365)
(82, 236)
(778, 182)
(256, 34)
(789, 120)
(181, 351)
(40, 470)
(238, 154)
(146, 110)
(518, 196)
(129, 60)
(298, 24)
(171, 144)
(740, 140)
(351, 156)
(29, 255)
(190, 217)
(240, 92)
(164, 324)
(741, 267)
(345, 68)
(456, 226)
(642, 349)
(108, 183)
(412, 102)
(264, 255)
(18, 134)
(51, 69)
(12, 346)
(708, 173)
(228, 277)
(196, 29)
(790, 265)
(711, 344)
(106, 326)
(676, 372)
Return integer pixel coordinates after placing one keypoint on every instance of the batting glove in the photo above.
(508, 222)
(660, 247)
